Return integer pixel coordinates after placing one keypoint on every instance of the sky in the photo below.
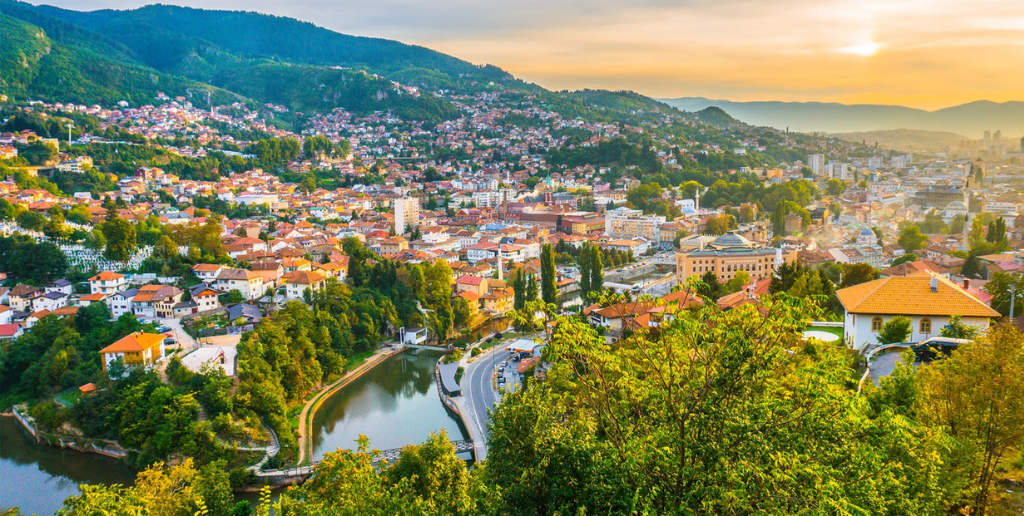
(920, 53)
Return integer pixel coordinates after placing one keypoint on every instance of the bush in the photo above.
(49, 415)
(240, 477)
(475, 352)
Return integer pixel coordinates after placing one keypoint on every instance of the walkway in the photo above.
(479, 396)
(306, 416)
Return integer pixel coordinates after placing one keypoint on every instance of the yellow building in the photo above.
(133, 350)
(729, 254)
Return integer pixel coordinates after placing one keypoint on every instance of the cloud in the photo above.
(924, 53)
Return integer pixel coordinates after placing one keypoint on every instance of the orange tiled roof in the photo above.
(135, 342)
(106, 276)
(912, 295)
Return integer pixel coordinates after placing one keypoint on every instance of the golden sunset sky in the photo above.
(918, 53)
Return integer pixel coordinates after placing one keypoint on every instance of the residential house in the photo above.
(107, 283)
(120, 303)
(474, 284)
(300, 281)
(134, 350)
(247, 283)
(927, 299)
(21, 297)
(156, 301)
(207, 272)
(204, 297)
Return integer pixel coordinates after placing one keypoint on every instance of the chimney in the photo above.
(935, 284)
(967, 283)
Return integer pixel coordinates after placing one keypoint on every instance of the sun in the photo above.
(866, 49)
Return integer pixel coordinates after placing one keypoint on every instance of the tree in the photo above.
(972, 267)
(121, 239)
(519, 290)
(911, 239)
(909, 257)
(584, 259)
(234, 296)
(1005, 287)
(957, 329)
(549, 288)
(596, 269)
(974, 394)
(857, 273)
(709, 286)
(531, 289)
(895, 331)
(95, 240)
(720, 224)
(835, 187)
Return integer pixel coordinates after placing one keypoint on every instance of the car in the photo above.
(162, 328)
(504, 364)
(169, 341)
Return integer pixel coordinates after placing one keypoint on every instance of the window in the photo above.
(876, 324)
(926, 325)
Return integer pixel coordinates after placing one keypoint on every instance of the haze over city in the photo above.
(917, 53)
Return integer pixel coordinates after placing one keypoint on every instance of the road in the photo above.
(479, 394)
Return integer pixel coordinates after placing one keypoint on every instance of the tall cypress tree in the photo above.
(596, 270)
(519, 290)
(531, 288)
(548, 287)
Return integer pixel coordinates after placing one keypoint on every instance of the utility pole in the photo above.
(69, 133)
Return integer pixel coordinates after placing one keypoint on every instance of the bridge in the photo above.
(391, 456)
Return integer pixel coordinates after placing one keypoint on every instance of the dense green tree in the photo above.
(911, 239)
(895, 330)
(549, 287)
(121, 239)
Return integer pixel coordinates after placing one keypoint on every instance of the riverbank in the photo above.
(305, 441)
(104, 447)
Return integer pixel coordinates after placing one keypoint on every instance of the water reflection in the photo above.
(38, 478)
(394, 404)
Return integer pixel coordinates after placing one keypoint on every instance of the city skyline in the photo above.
(913, 53)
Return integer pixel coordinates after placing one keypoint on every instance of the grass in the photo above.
(68, 398)
(837, 331)
(358, 360)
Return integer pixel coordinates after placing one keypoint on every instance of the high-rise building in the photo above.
(816, 162)
(626, 223)
(407, 213)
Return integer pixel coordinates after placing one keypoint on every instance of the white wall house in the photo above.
(928, 300)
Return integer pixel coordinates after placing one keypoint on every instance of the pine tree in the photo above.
(519, 290)
(549, 289)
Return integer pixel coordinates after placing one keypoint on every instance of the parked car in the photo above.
(162, 328)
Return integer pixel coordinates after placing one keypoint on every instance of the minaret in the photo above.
(501, 271)
(696, 200)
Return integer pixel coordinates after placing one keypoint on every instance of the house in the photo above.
(247, 283)
(50, 301)
(10, 331)
(248, 313)
(300, 281)
(120, 303)
(90, 299)
(107, 283)
(412, 336)
(498, 302)
(204, 297)
(474, 284)
(156, 301)
(134, 350)
(928, 299)
(337, 270)
(207, 272)
(21, 297)
(6, 315)
(62, 285)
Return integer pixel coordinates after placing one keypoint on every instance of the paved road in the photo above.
(479, 394)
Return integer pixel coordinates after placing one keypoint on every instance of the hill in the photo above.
(969, 119)
(34, 64)
(906, 139)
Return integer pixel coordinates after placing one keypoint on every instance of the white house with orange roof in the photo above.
(107, 283)
(134, 350)
(927, 299)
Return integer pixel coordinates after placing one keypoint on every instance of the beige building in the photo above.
(626, 223)
(729, 254)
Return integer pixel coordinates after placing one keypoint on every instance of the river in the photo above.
(394, 404)
(37, 478)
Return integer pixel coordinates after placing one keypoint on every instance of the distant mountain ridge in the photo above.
(971, 119)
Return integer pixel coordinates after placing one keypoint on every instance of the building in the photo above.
(474, 284)
(727, 255)
(247, 283)
(869, 254)
(207, 272)
(626, 223)
(928, 299)
(134, 350)
(156, 301)
(107, 283)
(121, 302)
(298, 282)
(816, 162)
(204, 297)
(407, 214)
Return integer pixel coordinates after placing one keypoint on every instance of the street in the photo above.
(479, 393)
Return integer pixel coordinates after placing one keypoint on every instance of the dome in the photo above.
(731, 239)
(867, 232)
(956, 205)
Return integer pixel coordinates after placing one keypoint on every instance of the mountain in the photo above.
(906, 139)
(64, 65)
(969, 119)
